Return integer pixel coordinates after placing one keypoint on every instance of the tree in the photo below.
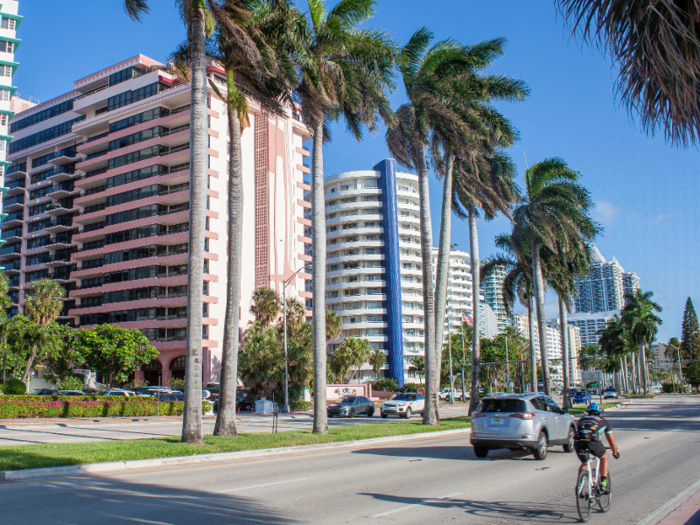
(614, 343)
(333, 324)
(265, 306)
(299, 348)
(345, 72)
(642, 325)
(61, 359)
(377, 359)
(554, 216)
(418, 365)
(261, 346)
(655, 46)
(5, 302)
(114, 352)
(690, 336)
(43, 305)
(358, 351)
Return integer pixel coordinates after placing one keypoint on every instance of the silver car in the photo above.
(521, 421)
(403, 405)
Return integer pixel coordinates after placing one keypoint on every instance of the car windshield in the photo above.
(402, 397)
(610, 390)
(502, 405)
(580, 393)
(347, 400)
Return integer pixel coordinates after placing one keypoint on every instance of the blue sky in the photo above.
(646, 191)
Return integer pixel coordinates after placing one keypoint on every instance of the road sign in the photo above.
(590, 376)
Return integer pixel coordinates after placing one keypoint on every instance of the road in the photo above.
(74, 430)
(429, 480)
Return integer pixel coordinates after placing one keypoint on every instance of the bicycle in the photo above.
(589, 491)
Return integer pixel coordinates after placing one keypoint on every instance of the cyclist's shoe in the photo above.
(604, 487)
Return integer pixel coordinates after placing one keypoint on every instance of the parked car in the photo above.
(44, 392)
(530, 421)
(403, 405)
(581, 396)
(70, 393)
(117, 393)
(610, 393)
(351, 406)
(174, 396)
(241, 403)
(445, 394)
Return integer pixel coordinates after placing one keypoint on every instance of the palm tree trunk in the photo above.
(4, 361)
(476, 307)
(192, 417)
(541, 326)
(226, 416)
(319, 283)
(432, 372)
(533, 355)
(443, 260)
(643, 363)
(30, 362)
(563, 321)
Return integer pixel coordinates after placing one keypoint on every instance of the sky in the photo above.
(646, 191)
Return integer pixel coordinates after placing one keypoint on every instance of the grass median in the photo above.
(64, 454)
(581, 409)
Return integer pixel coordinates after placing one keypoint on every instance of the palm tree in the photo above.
(333, 325)
(5, 302)
(642, 324)
(469, 129)
(136, 8)
(377, 359)
(613, 342)
(345, 73)
(655, 45)
(43, 305)
(265, 306)
(486, 184)
(553, 216)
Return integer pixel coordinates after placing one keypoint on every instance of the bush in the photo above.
(411, 387)
(386, 384)
(12, 407)
(72, 382)
(14, 387)
(177, 384)
(667, 388)
(136, 383)
(300, 406)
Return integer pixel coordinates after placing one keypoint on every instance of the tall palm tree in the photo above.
(485, 184)
(345, 73)
(265, 305)
(554, 216)
(656, 46)
(613, 342)
(642, 324)
(468, 129)
(136, 8)
(5, 302)
(43, 306)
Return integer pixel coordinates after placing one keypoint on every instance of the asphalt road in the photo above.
(429, 480)
(72, 430)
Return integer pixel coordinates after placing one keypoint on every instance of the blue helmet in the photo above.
(593, 408)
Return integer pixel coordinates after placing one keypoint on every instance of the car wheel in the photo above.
(351, 413)
(408, 413)
(481, 452)
(569, 446)
(371, 412)
(540, 451)
(384, 416)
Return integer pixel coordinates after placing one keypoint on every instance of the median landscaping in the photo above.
(63, 454)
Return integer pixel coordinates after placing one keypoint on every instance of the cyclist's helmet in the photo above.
(593, 408)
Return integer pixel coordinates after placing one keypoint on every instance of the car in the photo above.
(70, 393)
(445, 394)
(241, 403)
(403, 405)
(117, 393)
(581, 396)
(174, 396)
(610, 393)
(529, 421)
(45, 392)
(351, 406)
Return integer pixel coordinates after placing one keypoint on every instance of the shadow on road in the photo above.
(114, 501)
(494, 510)
(657, 416)
(462, 453)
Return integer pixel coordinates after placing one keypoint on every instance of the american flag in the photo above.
(467, 318)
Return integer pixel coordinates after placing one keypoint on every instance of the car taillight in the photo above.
(523, 415)
(478, 414)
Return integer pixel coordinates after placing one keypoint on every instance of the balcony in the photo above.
(60, 224)
(13, 234)
(12, 219)
(13, 266)
(13, 204)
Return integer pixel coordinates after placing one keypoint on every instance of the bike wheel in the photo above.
(604, 500)
(583, 496)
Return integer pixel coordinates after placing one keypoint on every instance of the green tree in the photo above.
(114, 352)
(5, 303)
(359, 351)
(418, 365)
(333, 324)
(261, 360)
(299, 348)
(345, 72)
(377, 359)
(690, 340)
(642, 325)
(63, 358)
(650, 43)
(555, 217)
(265, 306)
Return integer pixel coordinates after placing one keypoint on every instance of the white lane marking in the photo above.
(658, 513)
(263, 485)
(407, 507)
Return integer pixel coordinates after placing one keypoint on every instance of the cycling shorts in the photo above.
(595, 447)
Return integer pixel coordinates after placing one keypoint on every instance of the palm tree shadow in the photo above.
(528, 512)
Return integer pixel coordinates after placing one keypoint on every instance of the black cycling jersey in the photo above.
(591, 428)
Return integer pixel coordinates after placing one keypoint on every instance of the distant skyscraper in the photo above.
(604, 288)
(590, 324)
(492, 290)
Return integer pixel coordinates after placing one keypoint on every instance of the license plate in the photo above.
(497, 420)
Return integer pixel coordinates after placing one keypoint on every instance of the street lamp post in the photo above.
(464, 359)
(285, 408)
(680, 370)
(507, 368)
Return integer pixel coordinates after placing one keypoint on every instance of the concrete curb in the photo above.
(96, 469)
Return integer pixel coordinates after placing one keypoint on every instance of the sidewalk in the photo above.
(687, 513)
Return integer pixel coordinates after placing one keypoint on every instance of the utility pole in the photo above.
(286, 283)
(507, 367)
(464, 359)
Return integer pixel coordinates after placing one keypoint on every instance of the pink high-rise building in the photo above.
(99, 199)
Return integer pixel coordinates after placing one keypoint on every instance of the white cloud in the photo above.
(605, 212)
(659, 218)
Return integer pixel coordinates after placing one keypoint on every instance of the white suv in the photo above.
(403, 405)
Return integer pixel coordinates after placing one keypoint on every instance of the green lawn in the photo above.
(581, 409)
(50, 455)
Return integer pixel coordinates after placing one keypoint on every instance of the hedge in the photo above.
(12, 407)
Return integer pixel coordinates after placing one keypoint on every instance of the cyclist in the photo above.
(589, 432)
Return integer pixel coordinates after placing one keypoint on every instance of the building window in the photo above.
(8, 23)
(6, 47)
(5, 94)
(3, 120)
(6, 71)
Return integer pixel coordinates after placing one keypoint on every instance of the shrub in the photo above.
(386, 384)
(136, 383)
(300, 406)
(667, 388)
(72, 382)
(177, 384)
(412, 387)
(14, 387)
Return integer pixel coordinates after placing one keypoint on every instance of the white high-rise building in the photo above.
(492, 290)
(605, 286)
(590, 324)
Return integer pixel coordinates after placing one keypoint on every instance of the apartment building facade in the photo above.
(374, 266)
(99, 201)
(492, 290)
